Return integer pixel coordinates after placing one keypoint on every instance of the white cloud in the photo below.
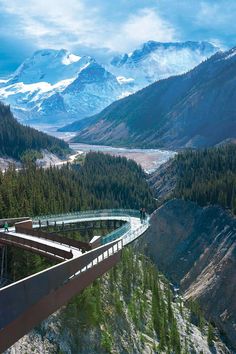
(141, 27)
(71, 23)
(50, 22)
(218, 15)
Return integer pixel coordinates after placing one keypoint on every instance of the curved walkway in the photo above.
(27, 302)
(134, 227)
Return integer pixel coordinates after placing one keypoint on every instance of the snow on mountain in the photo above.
(56, 86)
(92, 90)
(154, 60)
(50, 66)
(231, 54)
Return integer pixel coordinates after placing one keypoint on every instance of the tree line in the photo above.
(17, 140)
(102, 181)
(207, 176)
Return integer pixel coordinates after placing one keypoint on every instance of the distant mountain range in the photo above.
(56, 86)
(155, 61)
(196, 109)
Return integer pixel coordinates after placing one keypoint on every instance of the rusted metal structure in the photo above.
(25, 303)
(36, 247)
(40, 295)
(56, 238)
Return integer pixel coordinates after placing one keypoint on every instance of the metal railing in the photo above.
(114, 235)
(132, 235)
(59, 283)
(124, 231)
(88, 214)
(32, 288)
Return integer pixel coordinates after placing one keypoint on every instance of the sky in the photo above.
(101, 27)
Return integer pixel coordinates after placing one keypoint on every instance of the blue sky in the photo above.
(97, 27)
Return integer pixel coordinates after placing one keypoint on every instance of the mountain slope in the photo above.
(93, 89)
(49, 65)
(196, 248)
(192, 110)
(154, 60)
(56, 86)
(192, 238)
(16, 139)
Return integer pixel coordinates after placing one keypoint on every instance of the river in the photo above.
(149, 159)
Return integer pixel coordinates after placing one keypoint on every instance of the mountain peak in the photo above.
(153, 60)
(93, 73)
(64, 55)
(49, 65)
(205, 48)
(181, 111)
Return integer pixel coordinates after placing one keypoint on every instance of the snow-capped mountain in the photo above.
(51, 66)
(92, 90)
(57, 87)
(154, 60)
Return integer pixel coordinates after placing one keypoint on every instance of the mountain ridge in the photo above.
(195, 109)
(50, 72)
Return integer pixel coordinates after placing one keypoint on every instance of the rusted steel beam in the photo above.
(26, 224)
(16, 240)
(52, 302)
(56, 238)
(17, 297)
(30, 249)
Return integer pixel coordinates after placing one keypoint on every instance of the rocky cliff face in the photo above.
(196, 247)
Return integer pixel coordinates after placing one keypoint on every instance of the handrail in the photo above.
(40, 284)
(89, 213)
(51, 288)
(116, 233)
(131, 236)
(12, 221)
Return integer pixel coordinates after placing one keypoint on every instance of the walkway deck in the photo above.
(25, 303)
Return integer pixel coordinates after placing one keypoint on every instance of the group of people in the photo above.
(142, 214)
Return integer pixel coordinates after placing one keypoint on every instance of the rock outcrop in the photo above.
(196, 248)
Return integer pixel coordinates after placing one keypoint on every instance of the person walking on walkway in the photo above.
(6, 227)
(141, 214)
(144, 214)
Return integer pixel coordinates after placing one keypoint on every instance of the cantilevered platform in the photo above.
(25, 303)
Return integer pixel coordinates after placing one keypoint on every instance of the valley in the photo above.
(192, 110)
(151, 130)
(149, 159)
(57, 87)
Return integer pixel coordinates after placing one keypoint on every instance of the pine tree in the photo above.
(210, 334)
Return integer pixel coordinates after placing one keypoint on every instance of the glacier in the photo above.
(57, 87)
